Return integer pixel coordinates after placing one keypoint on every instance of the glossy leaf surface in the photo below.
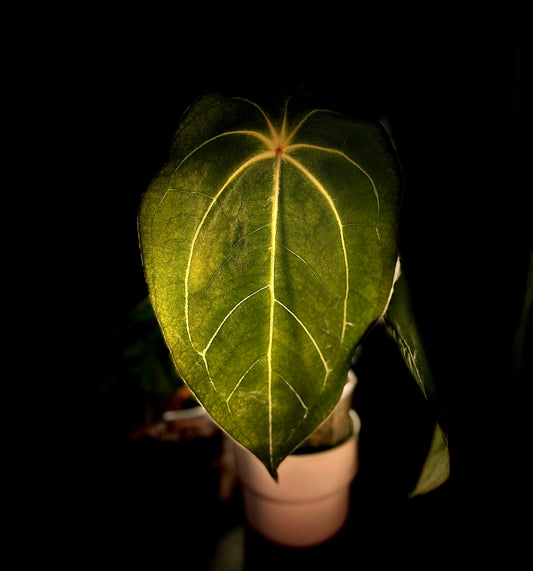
(269, 247)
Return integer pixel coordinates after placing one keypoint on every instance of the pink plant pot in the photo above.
(309, 504)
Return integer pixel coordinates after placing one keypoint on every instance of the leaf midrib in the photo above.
(272, 287)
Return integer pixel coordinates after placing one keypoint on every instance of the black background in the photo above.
(453, 88)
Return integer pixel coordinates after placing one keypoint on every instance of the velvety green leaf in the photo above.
(269, 247)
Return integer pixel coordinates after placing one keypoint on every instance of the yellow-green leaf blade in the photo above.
(268, 253)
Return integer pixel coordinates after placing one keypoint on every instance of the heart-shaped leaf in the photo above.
(269, 248)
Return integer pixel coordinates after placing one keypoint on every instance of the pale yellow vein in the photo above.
(238, 384)
(255, 134)
(329, 200)
(297, 395)
(299, 125)
(275, 206)
(344, 156)
(228, 315)
(266, 117)
(308, 265)
(312, 339)
(236, 173)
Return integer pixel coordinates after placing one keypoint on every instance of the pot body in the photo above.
(309, 504)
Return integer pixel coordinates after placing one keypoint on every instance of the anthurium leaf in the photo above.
(269, 247)
(401, 324)
(436, 468)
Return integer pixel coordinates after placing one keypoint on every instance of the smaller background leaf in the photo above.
(436, 468)
(402, 326)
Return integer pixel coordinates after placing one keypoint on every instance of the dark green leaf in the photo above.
(436, 468)
(402, 326)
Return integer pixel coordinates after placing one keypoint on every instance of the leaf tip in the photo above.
(274, 473)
